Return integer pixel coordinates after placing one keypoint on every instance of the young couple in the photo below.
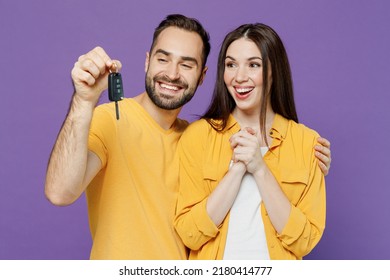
(246, 181)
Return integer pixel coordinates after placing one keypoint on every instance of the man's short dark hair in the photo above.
(188, 24)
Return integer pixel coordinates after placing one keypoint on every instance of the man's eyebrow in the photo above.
(163, 52)
(185, 58)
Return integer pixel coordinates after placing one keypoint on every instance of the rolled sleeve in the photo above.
(195, 226)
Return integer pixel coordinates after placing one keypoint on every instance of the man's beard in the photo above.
(168, 102)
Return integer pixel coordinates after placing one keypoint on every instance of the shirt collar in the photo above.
(278, 131)
(279, 127)
(232, 124)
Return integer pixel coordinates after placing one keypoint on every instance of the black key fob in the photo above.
(115, 90)
(115, 87)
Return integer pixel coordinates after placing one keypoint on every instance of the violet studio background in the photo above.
(339, 57)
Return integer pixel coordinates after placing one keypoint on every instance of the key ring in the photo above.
(115, 67)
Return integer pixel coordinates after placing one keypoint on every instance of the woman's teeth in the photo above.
(243, 90)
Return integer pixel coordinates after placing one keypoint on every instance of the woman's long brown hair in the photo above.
(274, 59)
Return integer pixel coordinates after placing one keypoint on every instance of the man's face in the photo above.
(174, 68)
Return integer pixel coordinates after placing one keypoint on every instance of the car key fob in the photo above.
(115, 87)
(115, 90)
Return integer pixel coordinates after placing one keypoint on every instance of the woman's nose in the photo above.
(241, 75)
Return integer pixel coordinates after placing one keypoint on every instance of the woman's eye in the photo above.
(255, 65)
(230, 65)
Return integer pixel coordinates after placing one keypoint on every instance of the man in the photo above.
(129, 167)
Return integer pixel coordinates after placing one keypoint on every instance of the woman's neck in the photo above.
(252, 119)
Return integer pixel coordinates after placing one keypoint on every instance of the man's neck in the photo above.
(165, 118)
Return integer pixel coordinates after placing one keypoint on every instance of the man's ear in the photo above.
(147, 61)
(203, 75)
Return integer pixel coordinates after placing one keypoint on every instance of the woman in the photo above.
(250, 185)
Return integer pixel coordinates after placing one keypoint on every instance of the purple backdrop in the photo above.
(339, 56)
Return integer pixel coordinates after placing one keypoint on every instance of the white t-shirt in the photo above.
(246, 236)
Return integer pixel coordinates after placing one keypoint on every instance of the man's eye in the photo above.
(186, 66)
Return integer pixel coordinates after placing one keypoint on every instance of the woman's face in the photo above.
(243, 74)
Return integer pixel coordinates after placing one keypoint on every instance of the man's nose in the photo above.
(172, 71)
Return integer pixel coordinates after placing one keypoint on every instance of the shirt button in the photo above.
(190, 234)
